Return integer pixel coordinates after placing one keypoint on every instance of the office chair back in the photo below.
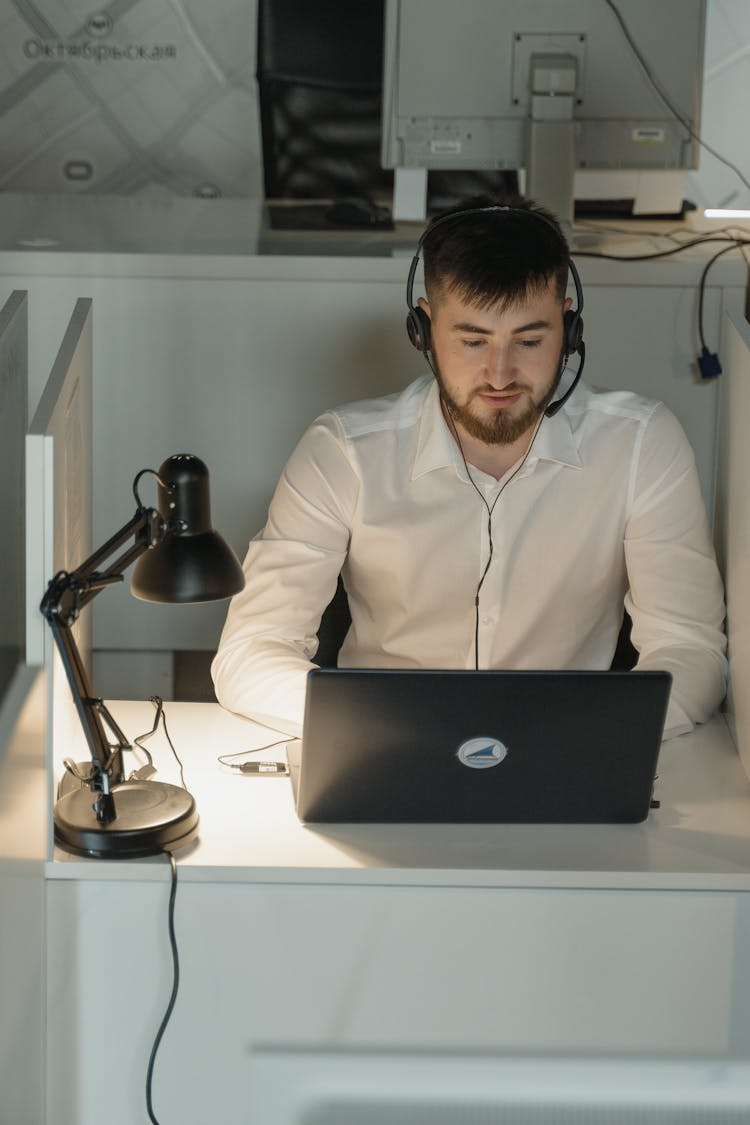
(319, 72)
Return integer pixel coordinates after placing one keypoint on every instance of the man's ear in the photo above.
(419, 326)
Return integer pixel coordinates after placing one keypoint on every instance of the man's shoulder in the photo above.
(642, 422)
(399, 410)
(615, 404)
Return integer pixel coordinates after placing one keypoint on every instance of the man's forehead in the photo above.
(535, 296)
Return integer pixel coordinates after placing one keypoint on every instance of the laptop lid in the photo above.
(479, 747)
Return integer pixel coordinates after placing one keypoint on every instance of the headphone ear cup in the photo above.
(418, 329)
(572, 331)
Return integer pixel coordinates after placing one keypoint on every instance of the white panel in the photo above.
(39, 557)
(326, 1088)
(733, 530)
(427, 970)
(58, 516)
(13, 408)
(23, 845)
(643, 339)
(58, 450)
(137, 675)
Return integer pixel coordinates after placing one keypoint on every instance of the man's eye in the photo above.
(473, 343)
(530, 343)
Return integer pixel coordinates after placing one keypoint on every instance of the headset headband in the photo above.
(456, 216)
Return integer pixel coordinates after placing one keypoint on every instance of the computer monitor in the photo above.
(551, 87)
(13, 416)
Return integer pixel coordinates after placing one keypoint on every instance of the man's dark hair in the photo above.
(495, 257)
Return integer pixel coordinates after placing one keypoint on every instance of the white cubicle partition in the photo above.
(733, 517)
(58, 515)
(13, 413)
(23, 848)
(23, 816)
(59, 469)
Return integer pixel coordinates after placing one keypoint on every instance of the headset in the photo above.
(418, 322)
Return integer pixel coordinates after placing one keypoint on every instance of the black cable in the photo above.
(175, 986)
(708, 362)
(273, 767)
(171, 744)
(490, 509)
(160, 717)
(702, 285)
(654, 254)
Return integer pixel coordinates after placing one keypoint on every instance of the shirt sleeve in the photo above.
(675, 597)
(291, 569)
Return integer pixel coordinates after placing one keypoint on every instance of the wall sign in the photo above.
(130, 96)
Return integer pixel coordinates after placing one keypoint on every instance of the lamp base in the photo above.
(152, 817)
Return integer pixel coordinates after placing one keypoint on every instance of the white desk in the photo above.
(626, 942)
(700, 837)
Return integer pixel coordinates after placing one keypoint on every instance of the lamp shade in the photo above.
(192, 563)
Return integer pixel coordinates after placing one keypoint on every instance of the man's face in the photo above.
(497, 367)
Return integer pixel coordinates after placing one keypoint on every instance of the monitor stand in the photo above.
(410, 194)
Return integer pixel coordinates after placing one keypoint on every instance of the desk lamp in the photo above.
(180, 559)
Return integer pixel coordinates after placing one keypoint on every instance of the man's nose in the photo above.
(500, 366)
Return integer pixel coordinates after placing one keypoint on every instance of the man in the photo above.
(485, 517)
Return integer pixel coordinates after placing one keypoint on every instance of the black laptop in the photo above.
(478, 747)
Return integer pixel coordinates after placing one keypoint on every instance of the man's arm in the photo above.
(676, 597)
(291, 569)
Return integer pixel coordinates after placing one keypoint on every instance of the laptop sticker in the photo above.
(481, 753)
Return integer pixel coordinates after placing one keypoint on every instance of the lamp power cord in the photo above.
(175, 986)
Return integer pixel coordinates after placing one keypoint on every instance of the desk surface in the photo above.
(698, 839)
(133, 236)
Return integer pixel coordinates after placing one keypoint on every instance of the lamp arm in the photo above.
(66, 595)
(69, 591)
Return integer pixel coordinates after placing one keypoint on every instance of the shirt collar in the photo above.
(556, 442)
(436, 448)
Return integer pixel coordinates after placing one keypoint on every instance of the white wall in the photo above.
(139, 97)
(725, 95)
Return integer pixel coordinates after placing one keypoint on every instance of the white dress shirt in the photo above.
(605, 512)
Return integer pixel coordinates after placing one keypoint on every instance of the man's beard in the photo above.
(502, 428)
